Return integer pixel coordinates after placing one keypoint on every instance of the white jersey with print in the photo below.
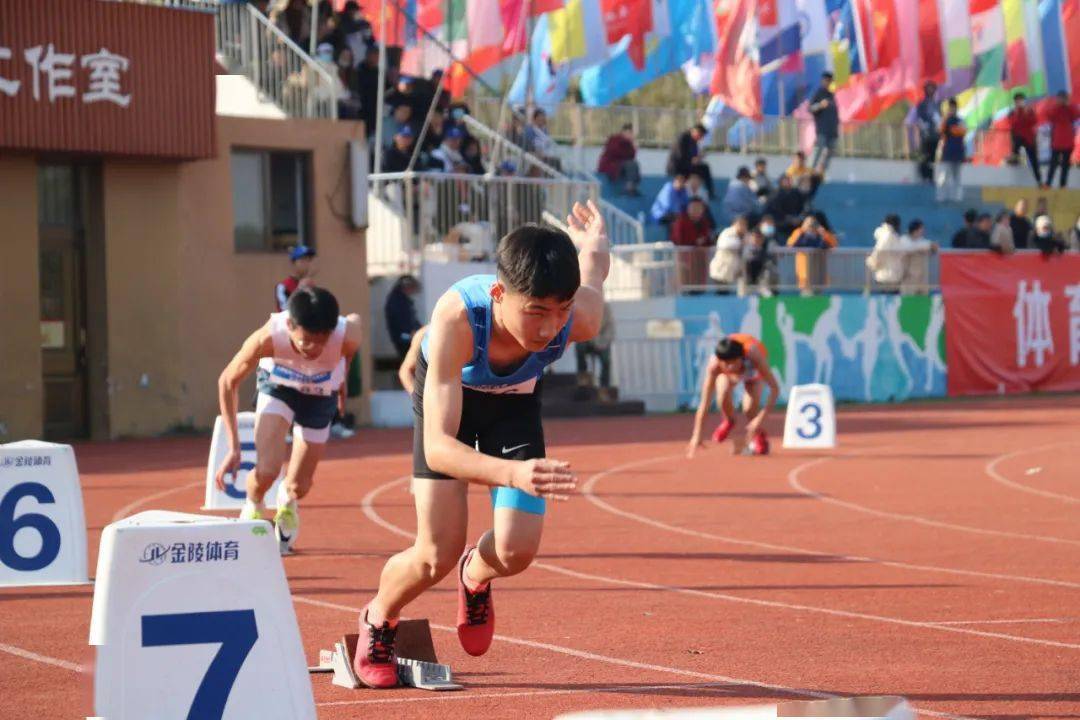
(315, 376)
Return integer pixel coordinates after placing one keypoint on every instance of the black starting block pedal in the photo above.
(417, 664)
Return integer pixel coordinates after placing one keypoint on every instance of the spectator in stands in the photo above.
(826, 124)
(400, 117)
(686, 156)
(436, 131)
(1042, 207)
(965, 236)
(1021, 226)
(671, 201)
(365, 88)
(301, 257)
(456, 116)
(695, 233)
(1063, 117)
(600, 348)
(727, 265)
(618, 160)
(786, 206)
(449, 154)
(798, 167)
(1001, 235)
(759, 262)
(811, 267)
(537, 140)
(403, 94)
(760, 182)
(1023, 126)
(293, 18)
(474, 163)
(354, 32)
(1074, 236)
(899, 262)
(983, 226)
(402, 321)
(397, 158)
(927, 122)
(740, 198)
(951, 155)
(1045, 239)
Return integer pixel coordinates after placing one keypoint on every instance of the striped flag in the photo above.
(1016, 66)
(988, 41)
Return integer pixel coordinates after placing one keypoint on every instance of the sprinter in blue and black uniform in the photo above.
(476, 383)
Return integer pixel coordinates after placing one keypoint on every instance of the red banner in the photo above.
(1012, 323)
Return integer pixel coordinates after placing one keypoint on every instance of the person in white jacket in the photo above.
(726, 265)
(898, 261)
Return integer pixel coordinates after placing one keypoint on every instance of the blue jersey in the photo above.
(475, 292)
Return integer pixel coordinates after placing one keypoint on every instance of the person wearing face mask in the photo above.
(1045, 239)
(758, 260)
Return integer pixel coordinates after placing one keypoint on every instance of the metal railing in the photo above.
(622, 227)
(576, 124)
(661, 269)
(445, 216)
(249, 44)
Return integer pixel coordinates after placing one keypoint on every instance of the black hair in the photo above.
(827, 74)
(627, 126)
(761, 161)
(1019, 96)
(744, 172)
(1063, 95)
(971, 215)
(728, 349)
(893, 220)
(914, 225)
(985, 216)
(951, 102)
(701, 129)
(538, 262)
(314, 309)
(1001, 216)
(695, 199)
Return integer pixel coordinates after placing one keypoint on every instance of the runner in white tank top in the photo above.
(301, 355)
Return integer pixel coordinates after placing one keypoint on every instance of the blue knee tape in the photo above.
(518, 500)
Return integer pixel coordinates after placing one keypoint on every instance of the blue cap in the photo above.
(454, 132)
(405, 131)
(301, 251)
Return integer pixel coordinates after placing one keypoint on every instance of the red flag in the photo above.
(1070, 25)
(737, 78)
(628, 17)
(539, 7)
(930, 47)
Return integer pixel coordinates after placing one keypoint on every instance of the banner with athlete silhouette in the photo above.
(1013, 322)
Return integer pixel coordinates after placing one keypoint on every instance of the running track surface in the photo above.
(934, 555)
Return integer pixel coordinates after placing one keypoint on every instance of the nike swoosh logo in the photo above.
(507, 451)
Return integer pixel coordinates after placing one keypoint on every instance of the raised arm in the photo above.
(449, 349)
(586, 228)
(258, 345)
(708, 387)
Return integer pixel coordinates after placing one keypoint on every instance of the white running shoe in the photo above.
(286, 521)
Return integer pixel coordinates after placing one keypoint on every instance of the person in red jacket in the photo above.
(1062, 118)
(618, 162)
(694, 232)
(1023, 125)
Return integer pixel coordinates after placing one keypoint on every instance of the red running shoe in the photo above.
(760, 443)
(721, 432)
(476, 613)
(374, 661)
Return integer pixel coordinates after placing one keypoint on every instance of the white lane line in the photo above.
(39, 658)
(127, 509)
(1002, 622)
(793, 481)
(998, 477)
(588, 491)
(717, 688)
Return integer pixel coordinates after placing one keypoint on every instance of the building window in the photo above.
(271, 200)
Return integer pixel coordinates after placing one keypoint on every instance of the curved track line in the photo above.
(588, 492)
(368, 507)
(793, 481)
(991, 470)
(126, 510)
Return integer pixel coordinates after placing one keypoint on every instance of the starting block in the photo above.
(192, 618)
(884, 707)
(417, 664)
(232, 497)
(810, 421)
(42, 524)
